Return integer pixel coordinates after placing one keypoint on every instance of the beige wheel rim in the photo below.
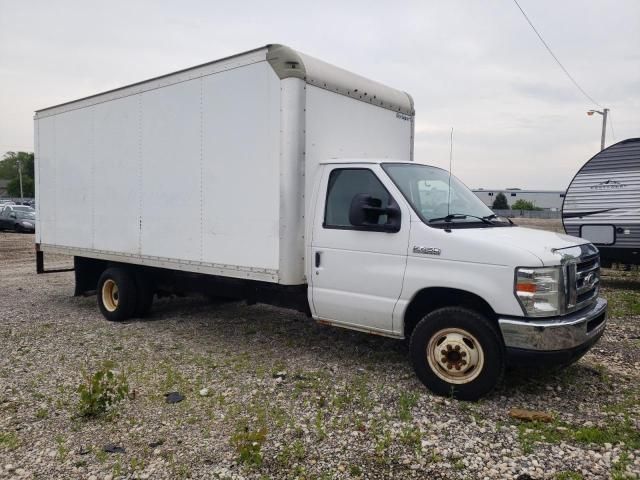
(455, 355)
(110, 295)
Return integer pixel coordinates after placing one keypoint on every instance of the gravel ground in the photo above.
(270, 394)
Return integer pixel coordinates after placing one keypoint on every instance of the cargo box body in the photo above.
(207, 169)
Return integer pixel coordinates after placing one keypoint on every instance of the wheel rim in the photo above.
(110, 295)
(455, 355)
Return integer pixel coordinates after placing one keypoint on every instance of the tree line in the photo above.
(10, 166)
(500, 203)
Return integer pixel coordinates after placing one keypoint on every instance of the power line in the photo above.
(556, 58)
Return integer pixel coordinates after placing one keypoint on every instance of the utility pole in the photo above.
(20, 176)
(604, 113)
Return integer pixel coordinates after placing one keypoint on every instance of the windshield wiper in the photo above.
(460, 216)
(493, 215)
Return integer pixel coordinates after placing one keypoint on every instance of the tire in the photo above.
(117, 294)
(457, 352)
(17, 228)
(146, 292)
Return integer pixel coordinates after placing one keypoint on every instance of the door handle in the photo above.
(318, 258)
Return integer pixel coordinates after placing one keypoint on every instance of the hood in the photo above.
(540, 243)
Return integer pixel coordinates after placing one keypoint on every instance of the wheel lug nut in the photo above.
(457, 348)
(443, 352)
(463, 354)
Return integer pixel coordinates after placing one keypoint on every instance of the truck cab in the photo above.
(406, 250)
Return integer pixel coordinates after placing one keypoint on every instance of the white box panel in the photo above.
(241, 135)
(116, 183)
(170, 138)
(74, 201)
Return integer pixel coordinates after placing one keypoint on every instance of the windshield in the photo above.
(25, 214)
(427, 190)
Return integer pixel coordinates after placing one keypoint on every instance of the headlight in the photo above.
(27, 224)
(539, 291)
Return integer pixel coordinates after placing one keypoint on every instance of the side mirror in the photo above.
(365, 213)
(12, 215)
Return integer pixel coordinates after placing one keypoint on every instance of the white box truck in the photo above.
(274, 177)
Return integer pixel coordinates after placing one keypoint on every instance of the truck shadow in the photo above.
(293, 336)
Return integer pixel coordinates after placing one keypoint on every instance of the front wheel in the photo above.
(457, 352)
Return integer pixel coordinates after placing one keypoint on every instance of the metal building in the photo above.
(545, 199)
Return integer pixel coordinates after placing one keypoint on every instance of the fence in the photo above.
(528, 213)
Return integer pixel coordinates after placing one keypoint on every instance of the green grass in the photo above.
(9, 440)
(618, 472)
(406, 402)
(616, 431)
(568, 475)
(622, 302)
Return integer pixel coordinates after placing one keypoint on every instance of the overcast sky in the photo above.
(473, 65)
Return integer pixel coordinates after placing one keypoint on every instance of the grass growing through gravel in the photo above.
(406, 402)
(616, 431)
(248, 444)
(9, 440)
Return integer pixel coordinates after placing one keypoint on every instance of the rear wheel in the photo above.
(17, 228)
(117, 294)
(457, 352)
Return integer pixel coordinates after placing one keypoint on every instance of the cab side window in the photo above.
(344, 185)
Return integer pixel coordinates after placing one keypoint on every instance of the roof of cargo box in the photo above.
(287, 63)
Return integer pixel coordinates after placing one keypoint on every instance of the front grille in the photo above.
(583, 281)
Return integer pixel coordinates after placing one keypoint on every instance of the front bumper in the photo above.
(570, 332)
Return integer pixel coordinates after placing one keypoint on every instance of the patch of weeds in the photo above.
(613, 433)
(173, 378)
(459, 465)
(248, 444)
(556, 432)
(101, 455)
(292, 453)
(42, 413)
(383, 442)
(434, 458)
(101, 391)
(355, 471)
(412, 437)
(533, 432)
(9, 440)
(136, 464)
(62, 449)
(319, 423)
(568, 475)
(619, 468)
(117, 469)
(406, 402)
(622, 303)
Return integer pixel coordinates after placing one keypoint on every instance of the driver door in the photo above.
(357, 272)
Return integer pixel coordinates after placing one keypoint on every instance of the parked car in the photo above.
(19, 218)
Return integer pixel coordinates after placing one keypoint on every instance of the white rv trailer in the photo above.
(602, 203)
(275, 177)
